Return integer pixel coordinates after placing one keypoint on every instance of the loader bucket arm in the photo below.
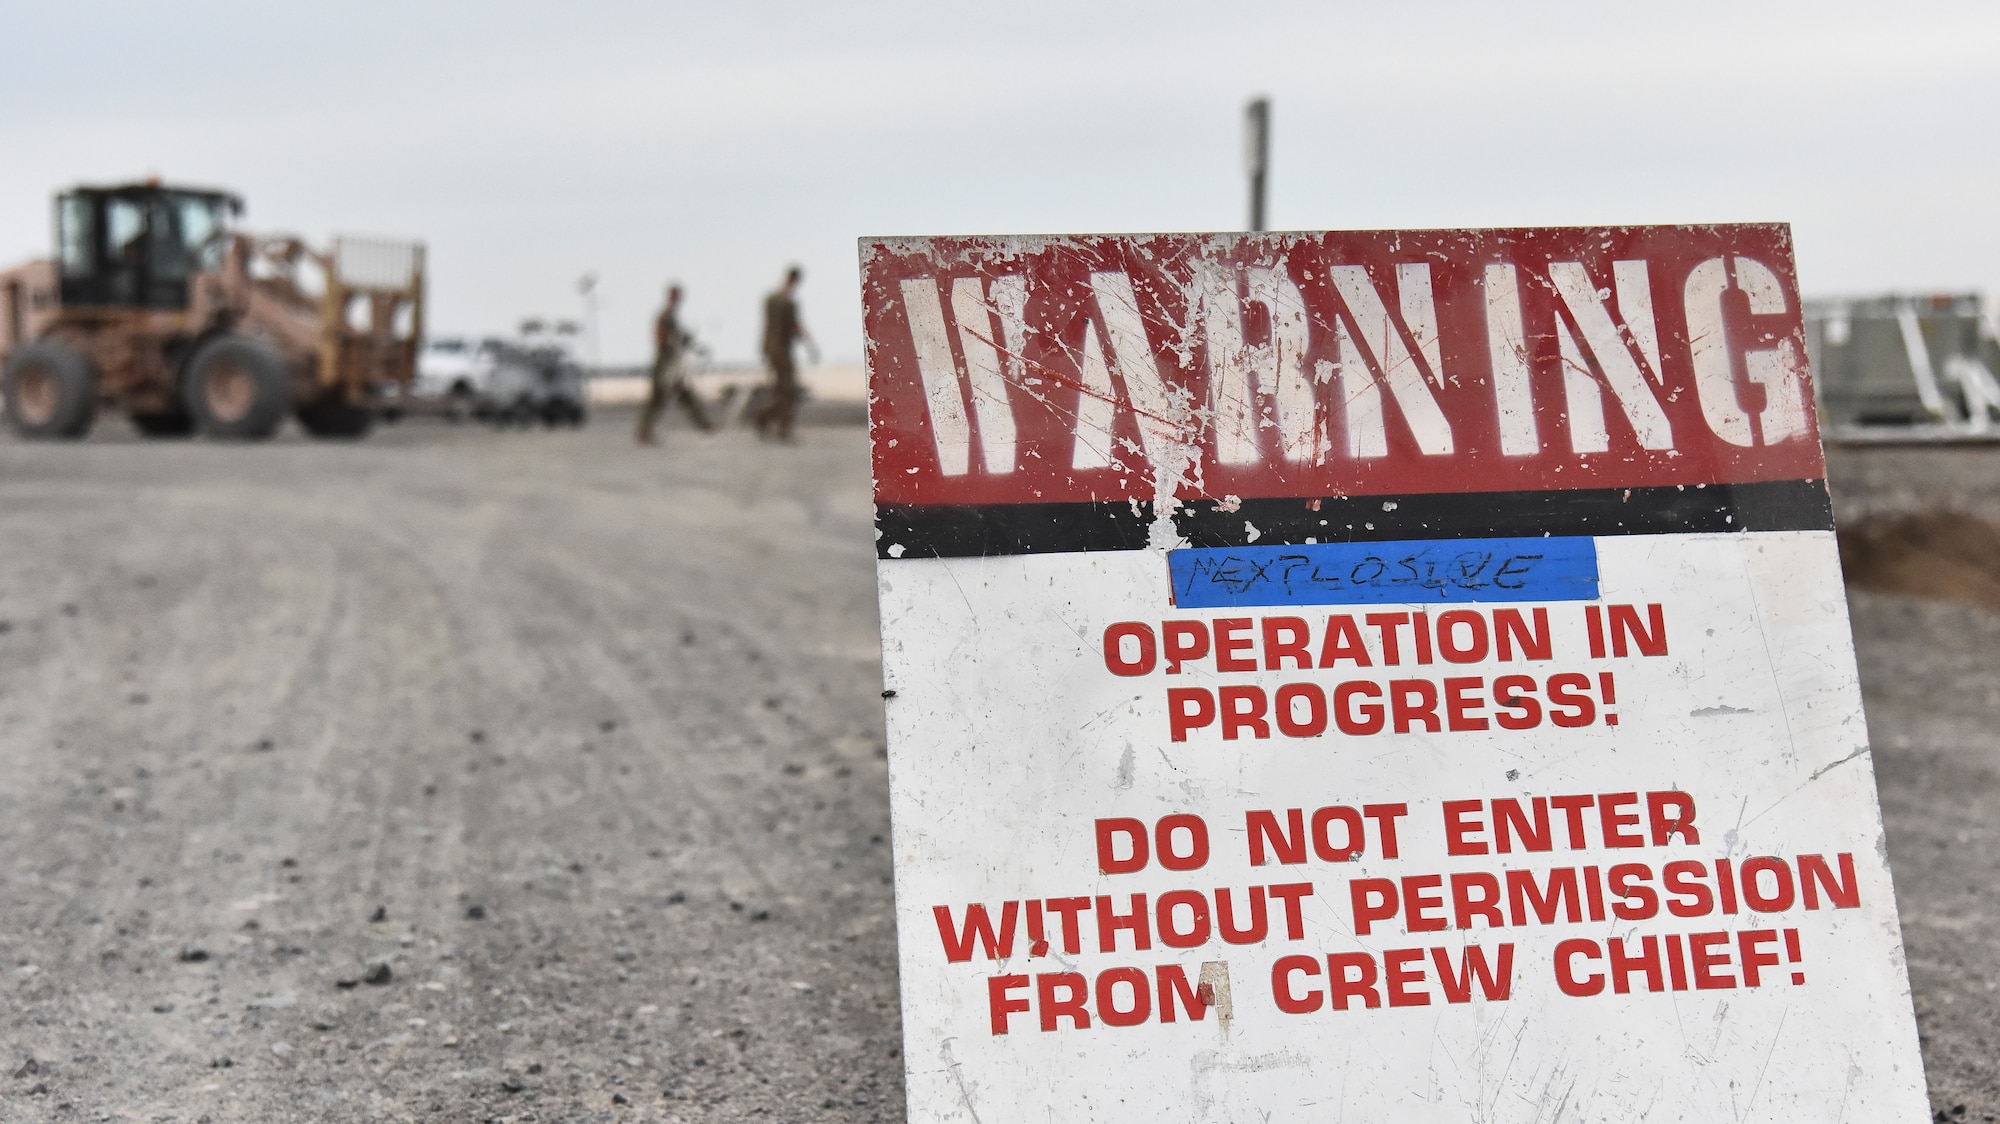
(372, 316)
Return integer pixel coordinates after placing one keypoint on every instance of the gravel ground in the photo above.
(456, 775)
(1930, 676)
(582, 742)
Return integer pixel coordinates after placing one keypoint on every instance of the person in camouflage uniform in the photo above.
(671, 343)
(782, 329)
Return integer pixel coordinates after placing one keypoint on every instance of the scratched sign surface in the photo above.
(1373, 675)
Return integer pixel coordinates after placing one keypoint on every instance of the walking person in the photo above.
(671, 343)
(783, 328)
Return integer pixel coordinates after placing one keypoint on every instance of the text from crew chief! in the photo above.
(1690, 895)
(1386, 702)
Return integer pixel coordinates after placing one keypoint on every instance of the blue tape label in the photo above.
(1374, 573)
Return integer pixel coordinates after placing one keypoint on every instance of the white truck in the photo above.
(532, 378)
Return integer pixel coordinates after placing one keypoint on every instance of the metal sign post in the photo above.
(1402, 675)
(1257, 155)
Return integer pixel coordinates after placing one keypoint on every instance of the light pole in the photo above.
(586, 286)
(1257, 155)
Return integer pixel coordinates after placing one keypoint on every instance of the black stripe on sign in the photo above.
(975, 530)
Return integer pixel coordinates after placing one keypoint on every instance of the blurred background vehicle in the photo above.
(455, 373)
(155, 306)
(1905, 367)
(534, 377)
(538, 378)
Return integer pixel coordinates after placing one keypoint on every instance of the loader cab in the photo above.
(138, 246)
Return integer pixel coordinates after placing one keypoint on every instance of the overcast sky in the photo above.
(530, 143)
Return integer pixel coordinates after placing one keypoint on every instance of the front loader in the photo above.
(155, 305)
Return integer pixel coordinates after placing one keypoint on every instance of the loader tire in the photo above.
(50, 390)
(237, 389)
(336, 418)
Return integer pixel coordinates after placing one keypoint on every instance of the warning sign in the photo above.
(1378, 676)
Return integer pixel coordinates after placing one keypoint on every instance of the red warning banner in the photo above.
(1095, 368)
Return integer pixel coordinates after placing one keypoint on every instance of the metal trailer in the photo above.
(156, 306)
(1905, 368)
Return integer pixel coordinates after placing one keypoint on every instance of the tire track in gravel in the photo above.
(365, 607)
